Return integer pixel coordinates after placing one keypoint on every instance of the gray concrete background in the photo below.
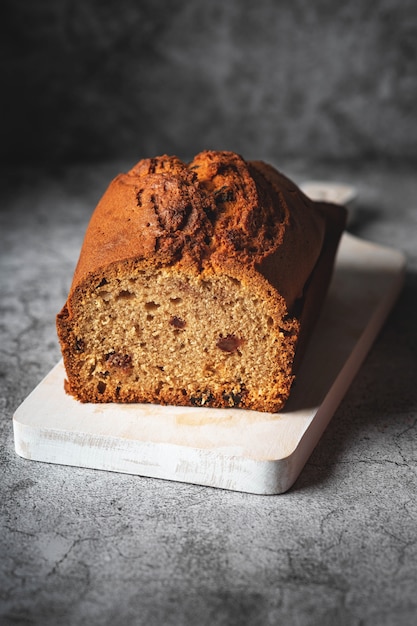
(98, 79)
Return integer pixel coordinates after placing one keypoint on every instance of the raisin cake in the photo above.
(197, 284)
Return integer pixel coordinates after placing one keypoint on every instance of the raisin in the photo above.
(177, 322)
(119, 360)
(230, 343)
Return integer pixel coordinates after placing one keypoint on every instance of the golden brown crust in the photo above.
(219, 210)
(218, 215)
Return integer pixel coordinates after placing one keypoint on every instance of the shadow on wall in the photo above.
(99, 80)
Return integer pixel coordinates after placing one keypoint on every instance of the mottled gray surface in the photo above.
(268, 79)
(86, 547)
(272, 80)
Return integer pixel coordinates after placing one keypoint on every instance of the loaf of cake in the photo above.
(197, 284)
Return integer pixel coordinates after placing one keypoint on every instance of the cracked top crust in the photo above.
(218, 212)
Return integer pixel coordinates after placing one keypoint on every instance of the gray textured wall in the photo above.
(105, 79)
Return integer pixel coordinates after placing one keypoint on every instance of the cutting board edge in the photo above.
(178, 463)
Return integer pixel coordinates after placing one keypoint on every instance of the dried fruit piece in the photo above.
(119, 360)
(230, 343)
(177, 322)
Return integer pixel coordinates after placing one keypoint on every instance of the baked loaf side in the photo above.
(196, 285)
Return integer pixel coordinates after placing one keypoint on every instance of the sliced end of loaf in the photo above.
(166, 336)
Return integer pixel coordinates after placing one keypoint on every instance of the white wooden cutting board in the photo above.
(229, 448)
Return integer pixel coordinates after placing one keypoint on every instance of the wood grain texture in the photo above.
(227, 448)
